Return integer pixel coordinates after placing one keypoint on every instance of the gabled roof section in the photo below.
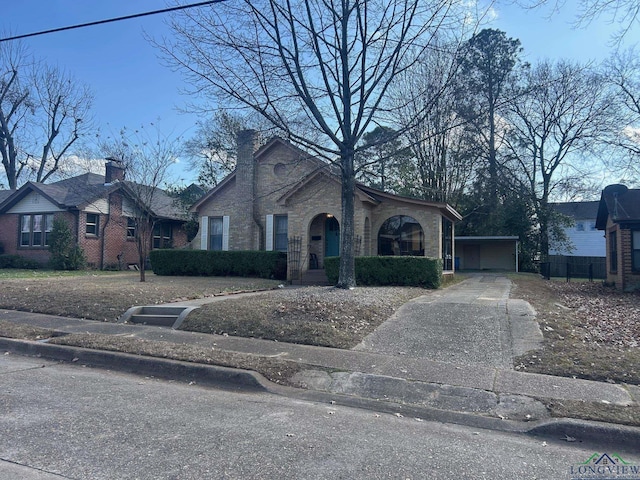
(73, 192)
(577, 210)
(619, 203)
(77, 192)
(211, 193)
(323, 172)
(445, 209)
(4, 194)
(162, 205)
(277, 141)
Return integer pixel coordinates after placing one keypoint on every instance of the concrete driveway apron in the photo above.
(471, 323)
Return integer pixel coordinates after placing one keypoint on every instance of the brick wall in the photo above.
(630, 279)
(100, 250)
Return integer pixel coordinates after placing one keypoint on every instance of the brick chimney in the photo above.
(114, 170)
(245, 183)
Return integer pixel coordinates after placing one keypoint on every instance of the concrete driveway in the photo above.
(473, 322)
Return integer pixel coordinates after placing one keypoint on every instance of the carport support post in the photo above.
(517, 259)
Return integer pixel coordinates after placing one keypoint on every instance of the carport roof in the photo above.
(495, 238)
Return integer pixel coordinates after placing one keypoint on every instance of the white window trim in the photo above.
(204, 233)
(269, 234)
(225, 232)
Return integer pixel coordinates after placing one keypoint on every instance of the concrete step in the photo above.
(153, 319)
(157, 315)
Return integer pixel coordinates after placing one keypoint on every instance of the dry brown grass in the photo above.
(105, 296)
(590, 331)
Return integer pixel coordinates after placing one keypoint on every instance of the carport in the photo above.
(487, 253)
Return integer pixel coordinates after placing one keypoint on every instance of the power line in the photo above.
(110, 20)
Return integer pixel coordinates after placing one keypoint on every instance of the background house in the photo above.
(100, 210)
(619, 217)
(585, 239)
(281, 198)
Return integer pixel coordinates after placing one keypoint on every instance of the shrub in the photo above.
(404, 271)
(16, 261)
(65, 253)
(209, 263)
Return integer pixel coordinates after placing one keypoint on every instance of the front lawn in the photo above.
(104, 296)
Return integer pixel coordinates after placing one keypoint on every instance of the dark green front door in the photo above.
(332, 237)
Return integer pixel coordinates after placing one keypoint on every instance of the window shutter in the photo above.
(204, 233)
(225, 232)
(269, 234)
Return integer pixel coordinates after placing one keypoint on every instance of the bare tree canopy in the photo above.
(562, 112)
(43, 112)
(328, 64)
(146, 154)
(213, 148)
(443, 162)
(622, 73)
(625, 13)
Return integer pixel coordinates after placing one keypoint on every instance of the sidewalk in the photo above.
(447, 355)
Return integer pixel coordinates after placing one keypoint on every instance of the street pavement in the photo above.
(444, 356)
(63, 421)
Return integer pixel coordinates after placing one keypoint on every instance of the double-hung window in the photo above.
(276, 234)
(215, 233)
(162, 235)
(35, 230)
(131, 228)
(93, 223)
(280, 230)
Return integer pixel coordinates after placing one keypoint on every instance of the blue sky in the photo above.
(132, 87)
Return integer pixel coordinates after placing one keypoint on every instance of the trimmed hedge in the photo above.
(215, 263)
(404, 271)
(16, 261)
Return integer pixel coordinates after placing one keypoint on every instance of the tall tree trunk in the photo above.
(347, 277)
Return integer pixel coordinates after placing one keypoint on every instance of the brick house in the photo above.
(619, 217)
(281, 198)
(100, 211)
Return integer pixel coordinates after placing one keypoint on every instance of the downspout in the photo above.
(517, 260)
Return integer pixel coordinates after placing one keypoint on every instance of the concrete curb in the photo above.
(204, 375)
(614, 436)
(618, 437)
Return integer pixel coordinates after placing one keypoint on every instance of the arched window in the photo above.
(401, 235)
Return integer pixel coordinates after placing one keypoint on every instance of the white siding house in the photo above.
(586, 240)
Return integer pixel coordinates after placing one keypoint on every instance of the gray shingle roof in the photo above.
(76, 192)
(577, 210)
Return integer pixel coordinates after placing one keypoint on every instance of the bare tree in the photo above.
(43, 112)
(443, 163)
(213, 148)
(146, 155)
(622, 74)
(326, 62)
(561, 114)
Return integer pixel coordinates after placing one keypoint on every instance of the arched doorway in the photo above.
(401, 235)
(324, 239)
